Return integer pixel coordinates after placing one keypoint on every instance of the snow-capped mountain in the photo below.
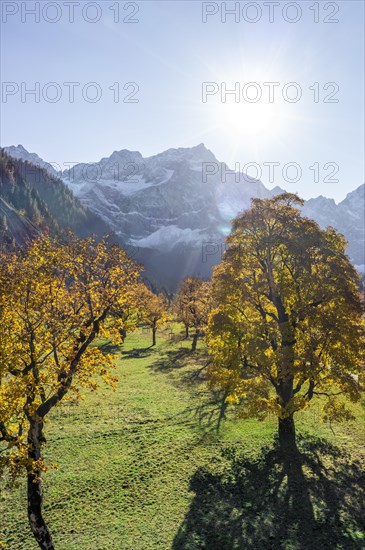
(348, 217)
(140, 197)
(179, 196)
(174, 209)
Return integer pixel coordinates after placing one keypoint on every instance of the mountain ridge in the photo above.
(166, 209)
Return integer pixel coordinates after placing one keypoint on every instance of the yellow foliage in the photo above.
(193, 302)
(287, 322)
(55, 301)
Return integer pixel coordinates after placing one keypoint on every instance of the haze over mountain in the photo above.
(173, 210)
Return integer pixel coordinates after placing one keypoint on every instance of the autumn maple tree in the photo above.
(181, 313)
(55, 301)
(192, 305)
(287, 326)
(153, 310)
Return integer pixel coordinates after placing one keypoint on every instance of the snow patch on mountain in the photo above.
(168, 237)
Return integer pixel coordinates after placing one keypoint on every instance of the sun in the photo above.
(248, 103)
(248, 119)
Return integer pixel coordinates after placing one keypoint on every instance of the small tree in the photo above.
(128, 314)
(153, 310)
(288, 323)
(55, 301)
(193, 304)
(181, 313)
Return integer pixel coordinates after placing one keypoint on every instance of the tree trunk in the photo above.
(186, 331)
(195, 341)
(154, 336)
(34, 482)
(287, 439)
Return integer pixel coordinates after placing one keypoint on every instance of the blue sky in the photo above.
(169, 53)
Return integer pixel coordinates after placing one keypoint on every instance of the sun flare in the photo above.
(248, 119)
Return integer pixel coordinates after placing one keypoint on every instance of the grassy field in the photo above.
(145, 467)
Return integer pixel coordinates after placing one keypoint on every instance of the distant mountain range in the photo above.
(173, 210)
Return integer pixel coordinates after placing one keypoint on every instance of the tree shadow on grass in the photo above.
(212, 407)
(114, 349)
(171, 360)
(138, 353)
(178, 358)
(210, 414)
(313, 500)
(110, 348)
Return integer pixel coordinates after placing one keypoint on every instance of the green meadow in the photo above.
(162, 463)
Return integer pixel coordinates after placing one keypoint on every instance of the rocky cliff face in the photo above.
(181, 196)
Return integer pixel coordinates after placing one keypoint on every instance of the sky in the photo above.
(151, 75)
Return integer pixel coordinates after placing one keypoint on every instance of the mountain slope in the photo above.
(20, 196)
(45, 200)
(15, 229)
